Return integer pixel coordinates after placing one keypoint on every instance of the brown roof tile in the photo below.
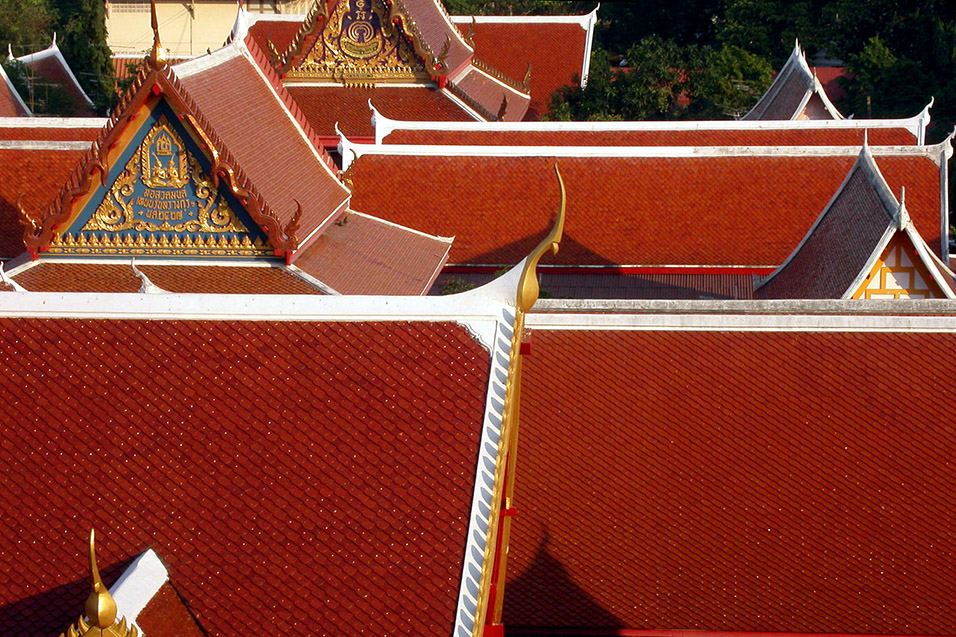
(703, 481)
(11, 104)
(490, 95)
(319, 466)
(729, 210)
(359, 254)
(53, 68)
(167, 616)
(437, 29)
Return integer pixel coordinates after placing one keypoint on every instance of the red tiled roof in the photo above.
(283, 165)
(659, 488)
(490, 95)
(11, 105)
(323, 106)
(39, 176)
(723, 210)
(760, 137)
(437, 29)
(167, 616)
(279, 32)
(838, 247)
(53, 276)
(52, 69)
(363, 255)
(829, 77)
(312, 477)
(50, 133)
(555, 51)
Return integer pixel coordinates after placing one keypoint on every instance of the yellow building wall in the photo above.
(186, 28)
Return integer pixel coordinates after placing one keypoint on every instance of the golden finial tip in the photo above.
(100, 605)
(157, 56)
(528, 288)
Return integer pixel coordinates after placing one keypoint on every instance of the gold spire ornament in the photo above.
(157, 59)
(100, 619)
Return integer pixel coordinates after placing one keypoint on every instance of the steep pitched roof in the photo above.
(557, 48)
(11, 104)
(660, 488)
(841, 247)
(795, 93)
(51, 66)
(680, 207)
(347, 451)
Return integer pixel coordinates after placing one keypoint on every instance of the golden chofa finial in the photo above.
(100, 620)
(528, 285)
(157, 56)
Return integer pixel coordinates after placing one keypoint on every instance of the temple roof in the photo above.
(11, 104)
(714, 207)
(335, 456)
(696, 478)
(855, 228)
(795, 93)
(50, 65)
(558, 48)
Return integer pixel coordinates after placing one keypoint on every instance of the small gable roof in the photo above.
(792, 91)
(52, 66)
(841, 247)
(11, 104)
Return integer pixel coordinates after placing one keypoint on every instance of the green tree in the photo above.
(82, 28)
(25, 24)
(41, 96)
(728, 84)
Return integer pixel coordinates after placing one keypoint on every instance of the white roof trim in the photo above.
(878, 249)
(588, 44)
(915, 125)
(54, 51)
(580, 20)
(137, 586)
(240, 28)
(15, 93)
(27, 144)
(311, 280)
(855, 318)
(930, 260)
(512, 90)
(932, 152)
(384, 222)
(831, 109)
(53, 122)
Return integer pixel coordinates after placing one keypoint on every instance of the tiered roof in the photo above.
(687, 207)
(862, 221)
(678, 471)
(795, 93)
(50, 65)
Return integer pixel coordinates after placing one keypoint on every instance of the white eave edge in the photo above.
(54, 51)
(137, 586)
(16, 95)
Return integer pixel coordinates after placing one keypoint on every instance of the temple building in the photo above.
(223, 349)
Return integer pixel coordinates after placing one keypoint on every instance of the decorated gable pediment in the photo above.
(899, 273)
(159, 199)
(359, 44)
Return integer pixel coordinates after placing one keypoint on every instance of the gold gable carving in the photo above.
(359, 46)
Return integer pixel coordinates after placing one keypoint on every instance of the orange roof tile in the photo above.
(659, 488)
(324, 106)
(555, 51)
(11, 104)
(359, 254)
(58, 276)
(318, 466)
(488, 96)
(67, 133)
(746, 210)
(279, 32)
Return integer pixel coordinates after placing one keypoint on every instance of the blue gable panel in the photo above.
(160, 201)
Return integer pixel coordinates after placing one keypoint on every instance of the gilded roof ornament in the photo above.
(157, 56)
(528, 285)
(100, 619)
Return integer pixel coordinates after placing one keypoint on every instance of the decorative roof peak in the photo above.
(528, 288)
(157, 56)
(100, 620)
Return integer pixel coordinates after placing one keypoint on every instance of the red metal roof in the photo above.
(323, 106)
(723, 210)
(363, 255)
(555, 51)
(54, 276)
(39, 176)
(759, 137)
(284, 166)
(703, 481)
(312, 477)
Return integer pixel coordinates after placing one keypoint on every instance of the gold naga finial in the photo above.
(100, 620)
(157, 56)
(528, 285)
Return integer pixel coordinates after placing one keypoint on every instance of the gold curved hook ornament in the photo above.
(157, 56)
(528, 288)
(100, 605)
